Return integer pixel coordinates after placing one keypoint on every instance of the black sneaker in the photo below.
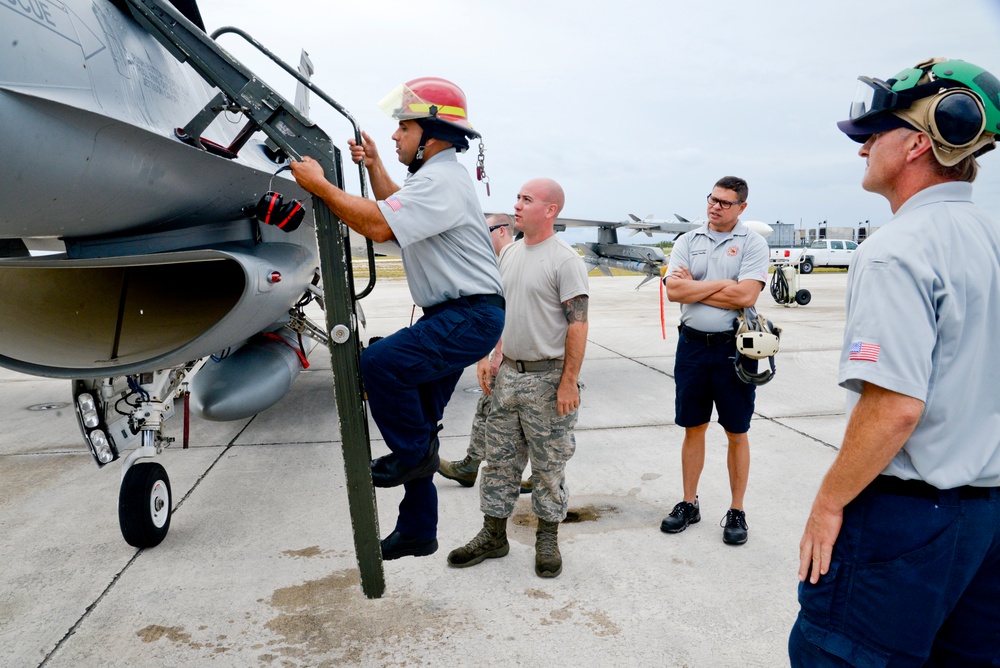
(680, 517)
(734, 525)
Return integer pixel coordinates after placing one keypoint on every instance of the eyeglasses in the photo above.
(712, 201)
(497, 227)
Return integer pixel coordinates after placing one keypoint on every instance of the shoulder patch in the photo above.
(863, 352)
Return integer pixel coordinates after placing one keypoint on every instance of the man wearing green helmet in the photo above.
(900, 557)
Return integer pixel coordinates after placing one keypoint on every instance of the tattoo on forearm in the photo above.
(575, 309)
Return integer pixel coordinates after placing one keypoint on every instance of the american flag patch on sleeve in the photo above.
(864, 352)
(393, 203)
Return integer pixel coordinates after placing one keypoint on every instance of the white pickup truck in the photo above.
(821, 253)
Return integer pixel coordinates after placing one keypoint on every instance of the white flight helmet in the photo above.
(756, 338)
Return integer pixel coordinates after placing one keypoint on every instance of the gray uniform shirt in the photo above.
(442, 234)
(923, 313)
(741, 254)
(538, 279)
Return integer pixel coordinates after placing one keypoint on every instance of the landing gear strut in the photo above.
(125, 414)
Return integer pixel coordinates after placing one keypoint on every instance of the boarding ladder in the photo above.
(267, 111)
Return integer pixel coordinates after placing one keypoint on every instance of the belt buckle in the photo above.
(519, 365)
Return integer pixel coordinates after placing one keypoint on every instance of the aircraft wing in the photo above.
(678, 226)
(647, 259)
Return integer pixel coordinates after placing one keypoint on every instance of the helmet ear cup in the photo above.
(273, 210)
(957, 118)
(756, 339)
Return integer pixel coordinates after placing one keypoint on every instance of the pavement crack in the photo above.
(90, 609)
(114, 581)
(630, 359)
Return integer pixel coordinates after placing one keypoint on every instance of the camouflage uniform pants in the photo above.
(524, 424)
(477, 442)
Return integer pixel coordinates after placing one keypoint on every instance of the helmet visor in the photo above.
(874, 100)
(871, 97)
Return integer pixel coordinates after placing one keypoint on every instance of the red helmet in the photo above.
(432, 98)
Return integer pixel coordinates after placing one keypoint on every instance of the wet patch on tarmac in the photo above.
(177, 635)
(538, 593)
(154, 632)
(331, 619)
(573, 612)
(591, 514)
(308, 552)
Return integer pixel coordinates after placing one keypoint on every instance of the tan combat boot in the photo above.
(527, 485)
(463, 472)
(489, 543)
(548, 561)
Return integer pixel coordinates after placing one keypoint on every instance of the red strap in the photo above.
(663, 321)
(290, 214)
(270, 208)
(271, 336)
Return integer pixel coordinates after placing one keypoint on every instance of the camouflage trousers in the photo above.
(477, 442)
(524, 424)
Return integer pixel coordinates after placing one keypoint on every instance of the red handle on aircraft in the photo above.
(663, 321)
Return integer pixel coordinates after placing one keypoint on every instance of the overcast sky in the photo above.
(634, 106)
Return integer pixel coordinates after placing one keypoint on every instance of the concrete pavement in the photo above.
(259, 567)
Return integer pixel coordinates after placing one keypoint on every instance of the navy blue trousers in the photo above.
(913, 581)
(409, 378)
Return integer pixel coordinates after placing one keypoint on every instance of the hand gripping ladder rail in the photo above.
(269, 112)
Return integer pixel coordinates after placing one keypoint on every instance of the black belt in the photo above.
(522, 366)
(491, 299)
(706, 338)
(888, 484)
(471, 300)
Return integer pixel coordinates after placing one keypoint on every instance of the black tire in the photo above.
(144, 505)
(803, 297)
(806, 267)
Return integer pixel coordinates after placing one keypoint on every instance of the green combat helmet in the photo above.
(957, 104)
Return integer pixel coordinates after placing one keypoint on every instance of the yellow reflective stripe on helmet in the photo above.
(426, 109)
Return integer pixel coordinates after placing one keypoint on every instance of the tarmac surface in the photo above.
(259, 569)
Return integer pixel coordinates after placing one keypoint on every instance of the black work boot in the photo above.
(489, 543)
(396, 545)
(463, 472)
(548, 561)
(681, 516)
(388, 471)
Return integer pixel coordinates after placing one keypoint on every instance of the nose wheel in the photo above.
(144, 505)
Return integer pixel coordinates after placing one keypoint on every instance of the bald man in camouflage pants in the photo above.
(536, 394)
(465, 471)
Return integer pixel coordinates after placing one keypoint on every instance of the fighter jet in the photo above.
(186, 256)
(608, 253)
